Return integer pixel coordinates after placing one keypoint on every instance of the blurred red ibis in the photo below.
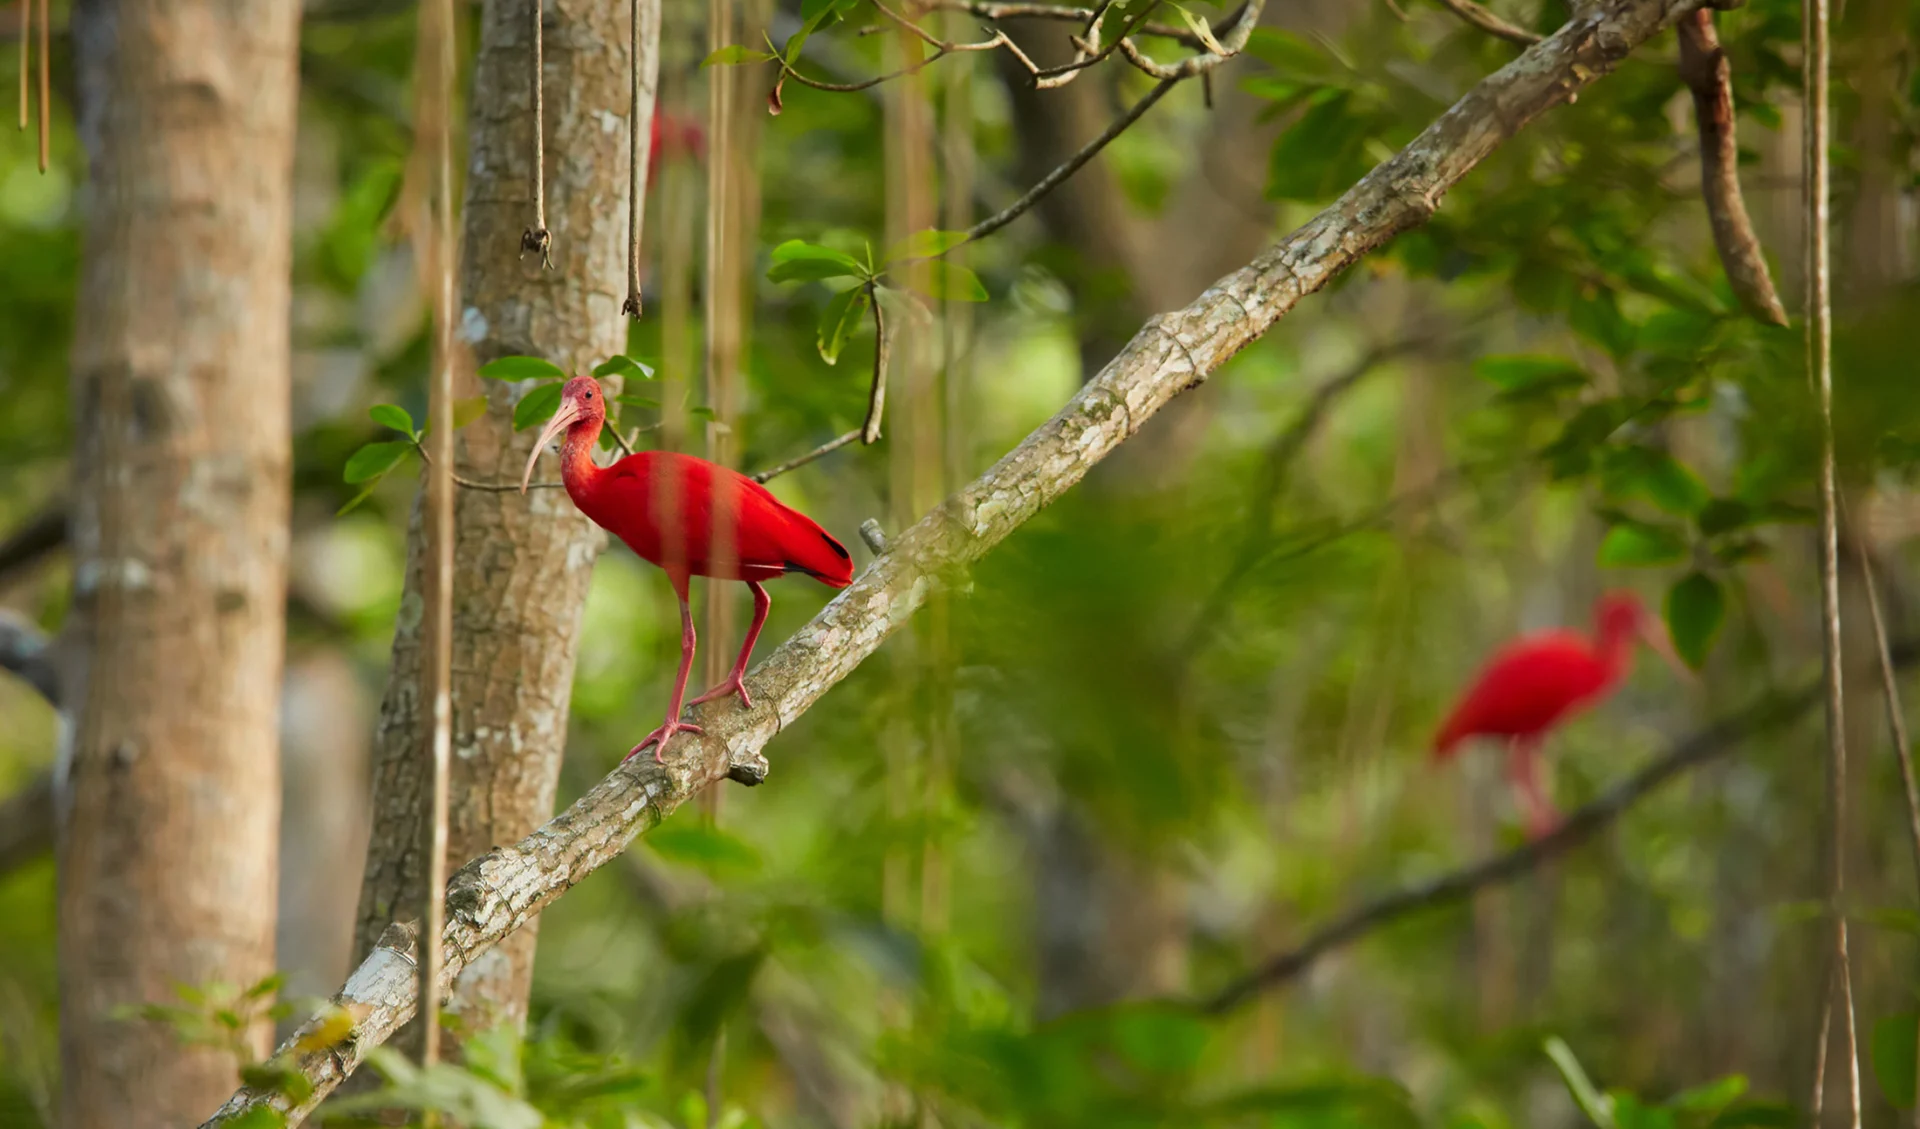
(663, 505)
(1539, 681)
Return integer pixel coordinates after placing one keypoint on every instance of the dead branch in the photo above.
(499, 892)
(796, 463)
(43, 534)
(1715, 741)
(1704, 68)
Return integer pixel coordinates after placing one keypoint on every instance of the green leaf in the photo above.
(1598, 1108)
(702, 845)
(353, 503)
(1696, 607)
(636, 401)
(1758, 1115)
(537, 406)
(1894, 1049)
(800, 261)
(925, 245)
(467, 410)
(1710, 1098)
(259, 1117)
(393, 416)
(839, 320)
(278, 1078)
(1671, 486)
(376, 459)
(1324, 151)
(625, 366)
(521, 368)
(952, 282)
(1640, 544)
(266, 986)
(1723, 515)
(735, 54)
(703, 412)
(1523, 376)
(799, 38)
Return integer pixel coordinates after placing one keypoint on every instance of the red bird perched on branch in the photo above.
(663, 506)
(1540, 680)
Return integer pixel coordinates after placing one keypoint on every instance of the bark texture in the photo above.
(500, 892)
(521, 563)
(170, 801)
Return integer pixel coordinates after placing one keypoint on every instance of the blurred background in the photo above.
(1182, 717)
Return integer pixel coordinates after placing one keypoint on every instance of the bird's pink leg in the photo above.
(732, 683)
(1523, 768)
(673, 724)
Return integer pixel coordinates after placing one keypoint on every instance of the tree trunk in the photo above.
(171, 796)
(521, 563)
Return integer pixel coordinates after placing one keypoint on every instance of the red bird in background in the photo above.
(1541, 680)
(670, 134)
(663, 505)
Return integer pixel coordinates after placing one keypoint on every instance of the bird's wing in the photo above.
(1525, 687)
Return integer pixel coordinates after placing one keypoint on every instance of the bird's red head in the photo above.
(1619, 615)
(582, 403)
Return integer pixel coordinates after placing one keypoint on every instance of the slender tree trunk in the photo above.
(171, 798)
(521, 563)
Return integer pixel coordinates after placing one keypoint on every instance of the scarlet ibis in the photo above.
(1539, 681)
(662, 505)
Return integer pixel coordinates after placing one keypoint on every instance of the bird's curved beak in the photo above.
(1653, 633)
(562, 419)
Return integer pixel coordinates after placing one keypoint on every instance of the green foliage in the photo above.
(1892, 1047)
(735, 54)
(842, 316)
(1695, 608)
(537, 405)
(521, 368)
(621, 365)
(1715, 1105)
(799, 261)
(1639, 544)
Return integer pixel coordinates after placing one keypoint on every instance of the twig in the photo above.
(491, 487)
(987, 10)
(26, 34)
(537, 238)
(1704, 68)
(1488, 22)
(1580, 825)
(46, 83)
(826, 448)
(1819, 356)
(645, 48)
(877, 395)
(495, 895)
(1896, 716)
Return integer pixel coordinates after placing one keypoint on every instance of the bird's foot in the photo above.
(659, 738)
(733, 684)
(1542, 821)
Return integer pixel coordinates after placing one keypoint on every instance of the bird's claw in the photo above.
(733, 684)
(659, 738)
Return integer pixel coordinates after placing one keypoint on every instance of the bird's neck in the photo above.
(1616, 652)
(577, 468)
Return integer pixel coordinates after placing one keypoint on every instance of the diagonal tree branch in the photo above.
(1584, 823)
(507, 887)
(1703, 67)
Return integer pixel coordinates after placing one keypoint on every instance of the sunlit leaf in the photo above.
(1641, 544)
(736, 54)
(791, 53)
(327, 1030)
(799, 261)
(537, 406)
(1695, 608)
(376, 459)
(521, 368)
(259, 1117)
(1658, 477)
(636, 401)
(947, 281)
(703, 412)
(625, 366)
(467, 410)
(1712, 1097)
(839, 320)
(925, 244)
(393, 416)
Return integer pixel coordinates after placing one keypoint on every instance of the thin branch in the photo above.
(537, 238)
(877, 394)
(826, 448)
(1488, 22)
(1704, 68)
(987, 10)
(645, 59)
(46, 84)
(496, 894)
(1896, 716)
(1582, 824)
(1819, 355)
(26, 35)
